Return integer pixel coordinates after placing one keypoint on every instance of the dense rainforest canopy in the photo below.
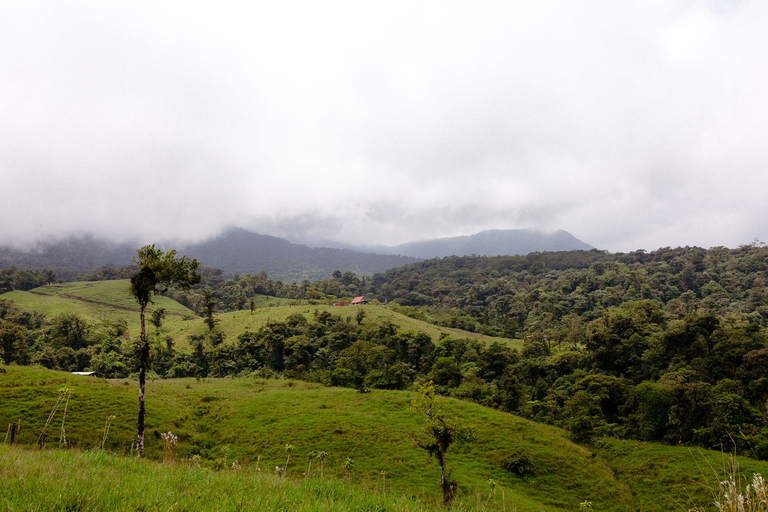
(668, 345)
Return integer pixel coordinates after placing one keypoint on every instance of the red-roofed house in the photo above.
(359, 300)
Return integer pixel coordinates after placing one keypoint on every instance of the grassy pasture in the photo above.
(95, 480)
(97, 301)
(251, 421)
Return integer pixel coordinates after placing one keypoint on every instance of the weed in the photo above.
(321, 455)
(289, 448)
(62, 393)
(754, 498)
(62, 433)
(107, 425)
(171, 441)
(492, 491)
(348, 465)
(311, 455)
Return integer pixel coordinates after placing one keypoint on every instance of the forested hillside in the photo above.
(668, 345)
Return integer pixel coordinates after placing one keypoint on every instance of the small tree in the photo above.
(209, 304)
(438, 433)
(158, 316)
(157, 271)
(11, 340)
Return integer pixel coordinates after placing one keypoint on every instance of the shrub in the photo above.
(518, 463)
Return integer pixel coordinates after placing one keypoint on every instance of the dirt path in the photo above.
(107, 304)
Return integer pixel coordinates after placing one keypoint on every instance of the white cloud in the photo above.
(633, 124)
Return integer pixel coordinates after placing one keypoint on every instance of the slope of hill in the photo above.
(55, 480)
(97, 301)
(497, 242)
(252, 420)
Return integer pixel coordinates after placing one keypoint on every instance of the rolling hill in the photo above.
(252, 420)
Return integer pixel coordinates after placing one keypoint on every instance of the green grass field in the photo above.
(94, 480)
(251, 421)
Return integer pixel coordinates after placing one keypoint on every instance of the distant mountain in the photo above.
(496, 242)
(238, 251)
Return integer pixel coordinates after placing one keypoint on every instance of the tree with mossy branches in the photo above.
(158, 270)
(437, 433)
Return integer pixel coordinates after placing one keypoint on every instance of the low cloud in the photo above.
(632, 125)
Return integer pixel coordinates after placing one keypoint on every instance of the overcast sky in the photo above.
(632, 124)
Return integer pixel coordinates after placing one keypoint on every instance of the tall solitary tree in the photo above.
(157, 271)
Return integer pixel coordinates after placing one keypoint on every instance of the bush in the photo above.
(518, 463)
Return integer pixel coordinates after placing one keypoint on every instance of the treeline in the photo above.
(12, 278)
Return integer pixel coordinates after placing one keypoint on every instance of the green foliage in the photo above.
(14, 279)
(158, 270)
(519, 463)
(437, 433)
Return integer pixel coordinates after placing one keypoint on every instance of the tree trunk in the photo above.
(143, 360)
(444, 484)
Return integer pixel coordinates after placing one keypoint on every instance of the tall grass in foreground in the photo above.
(73, 480)
(735, 492)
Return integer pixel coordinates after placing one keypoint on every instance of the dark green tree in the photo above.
(157, 318)
(11, 338)
(157, 271)
(209, 307)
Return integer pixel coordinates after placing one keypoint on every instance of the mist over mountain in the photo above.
(238, 251)
(496, 242)
(70, 256)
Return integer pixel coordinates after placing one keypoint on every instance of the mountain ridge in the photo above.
(239, 251)
(493, 242)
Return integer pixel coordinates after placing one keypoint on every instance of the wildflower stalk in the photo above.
(107, 424)
(41, 439)
(289, 448)
(62, 434)
(322, 456)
